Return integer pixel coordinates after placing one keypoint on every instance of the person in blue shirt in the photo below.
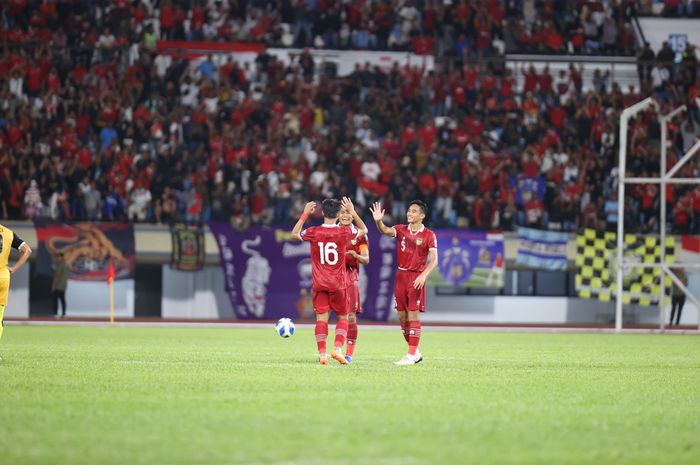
(107, 135)
(611, 212)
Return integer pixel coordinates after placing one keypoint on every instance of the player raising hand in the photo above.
(329, 244)
(357, 254)
(416, 253)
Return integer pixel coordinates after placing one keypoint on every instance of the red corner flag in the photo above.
(110, 283)
(110, 272)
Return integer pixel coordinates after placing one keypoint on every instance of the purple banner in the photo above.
(268, 274)
(469, 259)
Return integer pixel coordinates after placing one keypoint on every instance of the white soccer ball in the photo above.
(285, 327)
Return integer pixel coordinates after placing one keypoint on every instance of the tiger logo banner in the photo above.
(87, 249)
(596, 267)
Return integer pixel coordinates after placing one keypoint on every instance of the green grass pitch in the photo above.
(215, 396)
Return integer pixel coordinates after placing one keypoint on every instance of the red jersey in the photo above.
(351, 264)
(412, 248)
(328, 246)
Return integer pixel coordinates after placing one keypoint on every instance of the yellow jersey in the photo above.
(8, 239)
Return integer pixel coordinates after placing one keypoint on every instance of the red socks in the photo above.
(341, 330)
(405, 329)
(352, 338)
(413, 336)
(321, 336)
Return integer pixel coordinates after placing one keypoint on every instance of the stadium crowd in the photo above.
(95, 124)
(458, 28)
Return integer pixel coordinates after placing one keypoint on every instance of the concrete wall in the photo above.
(91, 299)
(658, 30)
(549, 310)
(202, 295)
(18, 302)
(199, 295)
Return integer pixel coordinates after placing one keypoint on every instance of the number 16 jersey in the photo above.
(329, 244)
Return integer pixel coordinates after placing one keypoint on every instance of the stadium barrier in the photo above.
(158, 291)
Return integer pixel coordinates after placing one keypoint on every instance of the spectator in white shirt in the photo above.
(659, 76)
(140, 201)
(370, 169)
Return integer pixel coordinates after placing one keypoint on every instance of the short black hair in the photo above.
(420, 204)
(331, 208)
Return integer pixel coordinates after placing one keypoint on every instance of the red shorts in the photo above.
(352, 293)
(324, 300)
(408, 298)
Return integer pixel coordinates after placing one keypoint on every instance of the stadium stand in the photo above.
(97, 124)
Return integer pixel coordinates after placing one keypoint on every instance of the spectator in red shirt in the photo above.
(427, 184)
(534, 212)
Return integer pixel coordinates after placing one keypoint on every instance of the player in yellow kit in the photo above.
(9, 240)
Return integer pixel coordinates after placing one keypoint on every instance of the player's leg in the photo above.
(353, 298)
(321, 333)
(2, 315)
(403, 320)
(414, 330)
(413, 355)
(322, 311)
(415, 305)
(4, 289)
(339, 305)
(414, 333)
(401, 297)
(352, 336)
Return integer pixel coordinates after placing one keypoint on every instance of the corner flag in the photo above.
(110, 283)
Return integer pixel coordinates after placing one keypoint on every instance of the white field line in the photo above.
(340, 461)
(370, 327)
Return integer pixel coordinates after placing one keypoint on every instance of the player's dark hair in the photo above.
(421, 205)
(331, 208)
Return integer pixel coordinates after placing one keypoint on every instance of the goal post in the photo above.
(663, 179)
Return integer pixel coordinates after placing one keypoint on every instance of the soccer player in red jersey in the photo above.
(329, 243)
(357, 254)
(416, 253)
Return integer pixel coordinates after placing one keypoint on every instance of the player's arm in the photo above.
(24, 250)
(363, 256)
(361, 226)
(378, 215)
(308, 209)
(419, 282)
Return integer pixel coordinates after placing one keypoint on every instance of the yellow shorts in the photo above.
(4, 290)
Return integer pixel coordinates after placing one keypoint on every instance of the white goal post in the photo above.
(663, 179)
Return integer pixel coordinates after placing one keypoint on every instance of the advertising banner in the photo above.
(470, 259)
(545, 250)
(268, 273)
(596, 262)
(87, 248)
(187, 248)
